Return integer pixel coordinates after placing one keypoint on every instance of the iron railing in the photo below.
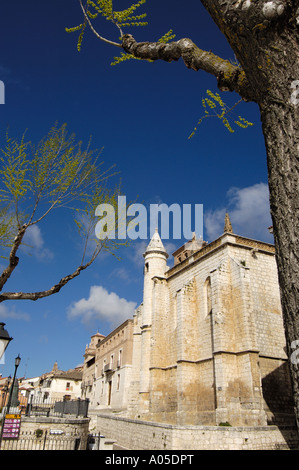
(58, 408)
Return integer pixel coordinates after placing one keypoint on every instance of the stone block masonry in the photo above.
(209, 344)
(144, 435)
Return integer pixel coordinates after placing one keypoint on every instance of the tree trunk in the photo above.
(281, 131)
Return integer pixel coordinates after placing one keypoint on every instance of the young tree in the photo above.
(36, 180)
(264, 35)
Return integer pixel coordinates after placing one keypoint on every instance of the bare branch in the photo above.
(94, 31)
(54, 289)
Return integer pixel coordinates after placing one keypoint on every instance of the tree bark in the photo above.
(281, 130)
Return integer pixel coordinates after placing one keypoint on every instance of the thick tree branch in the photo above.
(13, 258)
(53, 290)
(229, 76)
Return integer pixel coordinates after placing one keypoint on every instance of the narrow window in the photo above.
(120, 358)
(208, 296)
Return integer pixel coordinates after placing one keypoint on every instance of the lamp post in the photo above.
(4, 339)
(17, 363)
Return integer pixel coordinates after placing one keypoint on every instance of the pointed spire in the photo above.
(227, 224)
(156, 245)
(55, 367)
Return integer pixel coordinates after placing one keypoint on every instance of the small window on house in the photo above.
(118, 381)
(68, 384)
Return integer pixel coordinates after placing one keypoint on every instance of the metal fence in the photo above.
(46, 441)
(57, 408)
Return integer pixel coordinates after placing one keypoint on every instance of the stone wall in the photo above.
(142, 435)
(57, 434)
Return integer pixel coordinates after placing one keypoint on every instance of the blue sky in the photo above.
(141, 114)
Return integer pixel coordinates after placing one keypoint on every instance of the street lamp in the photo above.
(4, 339)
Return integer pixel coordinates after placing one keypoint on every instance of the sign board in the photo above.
(11, 427)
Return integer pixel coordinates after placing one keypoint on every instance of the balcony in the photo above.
(107, 368)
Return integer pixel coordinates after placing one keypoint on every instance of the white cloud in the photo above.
(102, 305)
(11, 313)
(249, 213)
(33, 243)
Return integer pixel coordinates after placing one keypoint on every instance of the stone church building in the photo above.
(208, 340)
(207, 367)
